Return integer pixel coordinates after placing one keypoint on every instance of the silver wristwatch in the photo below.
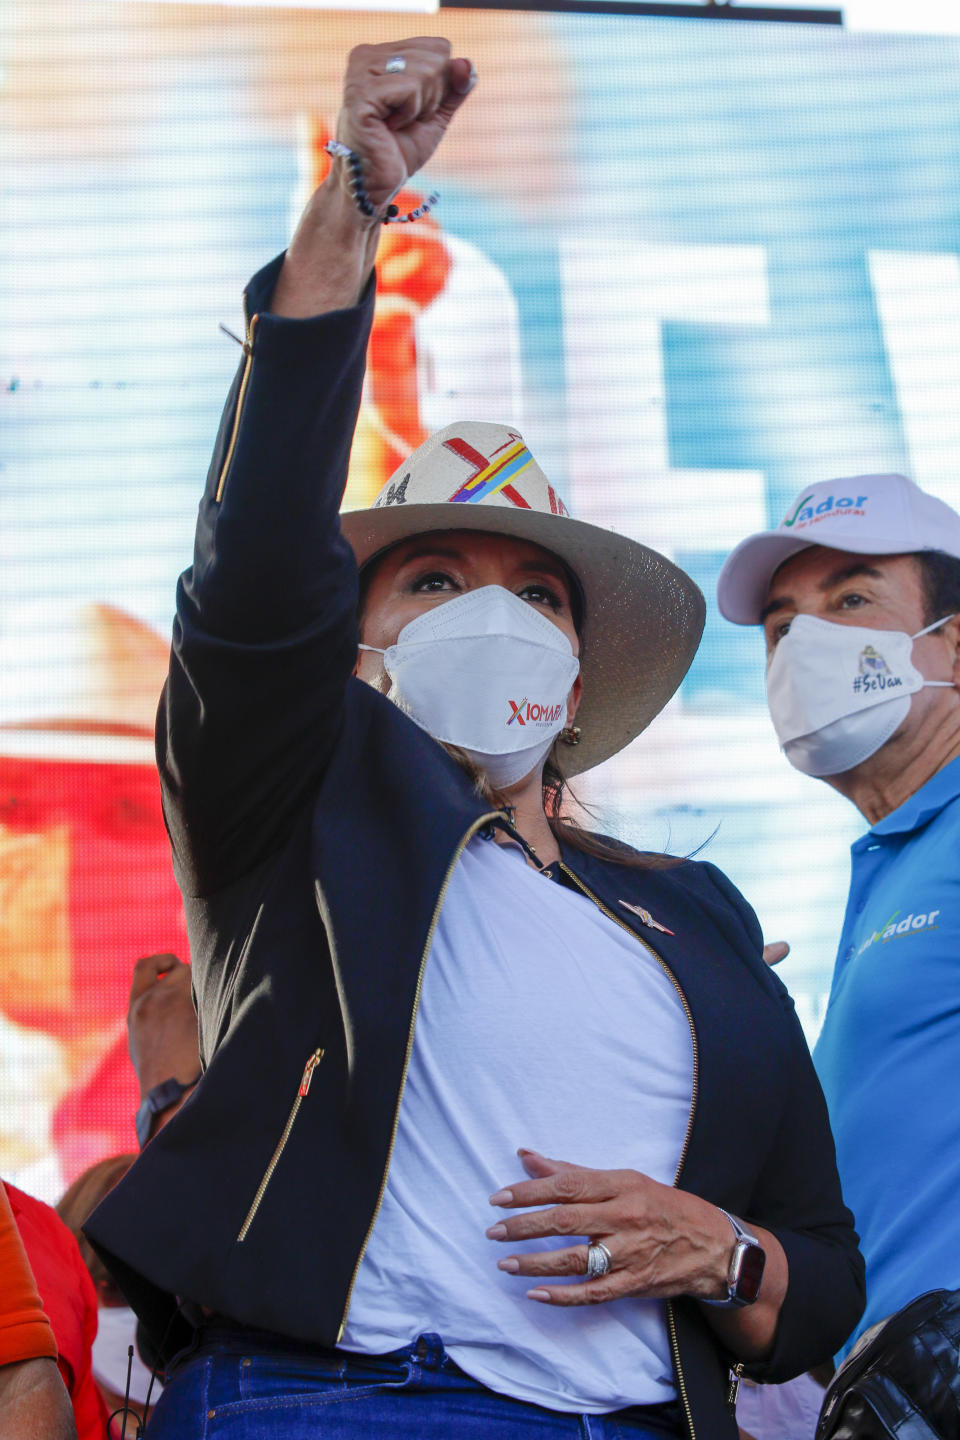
(746, 1267)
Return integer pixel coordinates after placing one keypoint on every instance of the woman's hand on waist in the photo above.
(662, 1243)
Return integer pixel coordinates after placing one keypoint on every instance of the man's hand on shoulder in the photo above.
(394, 120)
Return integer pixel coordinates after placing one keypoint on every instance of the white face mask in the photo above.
(838, 692)
(488, 673)
(116, 1332)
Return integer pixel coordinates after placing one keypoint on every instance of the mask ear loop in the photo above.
(935, 626)
(935, 684)
(377, 651)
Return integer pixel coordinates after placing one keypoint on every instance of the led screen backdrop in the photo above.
(699, 265)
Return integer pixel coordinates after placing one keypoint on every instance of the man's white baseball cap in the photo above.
(864, 514)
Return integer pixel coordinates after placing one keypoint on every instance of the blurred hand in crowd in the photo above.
(776, 951)
(162, 1023)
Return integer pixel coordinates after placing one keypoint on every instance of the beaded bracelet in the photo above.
(391, 215)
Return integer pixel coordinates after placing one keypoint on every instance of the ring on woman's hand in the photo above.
(599, 1260)
(395, 64)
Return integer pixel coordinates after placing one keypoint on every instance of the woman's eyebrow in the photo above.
(556, 568)
(441, 551)
(534, 565)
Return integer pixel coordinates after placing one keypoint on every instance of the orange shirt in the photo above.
(70, 1300)
(25, 1332)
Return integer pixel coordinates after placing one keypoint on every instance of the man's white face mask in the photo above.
(488, 673)
(838, 692)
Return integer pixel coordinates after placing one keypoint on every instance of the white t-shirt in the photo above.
(780, 1412)
(541, 1024)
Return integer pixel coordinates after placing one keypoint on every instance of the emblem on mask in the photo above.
(872, 662)
(874, 673)
(530, 713)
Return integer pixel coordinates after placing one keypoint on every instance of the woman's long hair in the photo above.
(566, 830)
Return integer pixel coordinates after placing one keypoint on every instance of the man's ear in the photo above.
(951, 636)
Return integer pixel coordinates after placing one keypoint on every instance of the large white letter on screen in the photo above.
(918, 301)
(615, 300)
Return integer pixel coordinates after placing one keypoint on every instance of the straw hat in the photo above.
(643, 616)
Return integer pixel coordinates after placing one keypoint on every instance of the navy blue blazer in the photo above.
(313, 826)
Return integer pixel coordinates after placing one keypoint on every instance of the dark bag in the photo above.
(902, 1378)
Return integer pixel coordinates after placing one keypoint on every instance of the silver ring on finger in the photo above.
(395, 65)
(599, 1260)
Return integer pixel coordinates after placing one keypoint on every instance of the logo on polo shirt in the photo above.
(896, 929)
(832, 507)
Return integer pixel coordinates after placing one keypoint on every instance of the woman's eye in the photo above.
(433, 582)
(541, 595)
(778, 631)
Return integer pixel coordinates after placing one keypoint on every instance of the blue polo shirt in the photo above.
(889, 1052)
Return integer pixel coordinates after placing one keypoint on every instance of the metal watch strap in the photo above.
(739, 1229)
(742, 1239)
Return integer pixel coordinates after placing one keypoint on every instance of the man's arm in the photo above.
(265, 635)
(34, 1404)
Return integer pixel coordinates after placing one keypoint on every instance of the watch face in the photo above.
(750, 1274)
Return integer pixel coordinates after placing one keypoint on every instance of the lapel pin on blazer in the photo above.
(646, 917)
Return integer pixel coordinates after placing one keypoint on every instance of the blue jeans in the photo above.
(248, 1386)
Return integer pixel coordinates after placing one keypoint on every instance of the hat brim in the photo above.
(644, 616)
(746, 573)
(744, 580)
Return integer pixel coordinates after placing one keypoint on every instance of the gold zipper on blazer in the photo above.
(736, 1375)
(464, 842)
(671, 1318)
(244, 382)
(302, 1091)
